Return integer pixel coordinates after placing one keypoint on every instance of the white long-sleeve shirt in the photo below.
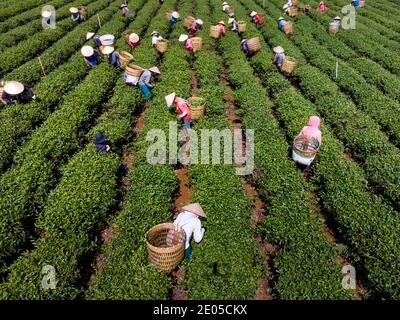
(191, 224)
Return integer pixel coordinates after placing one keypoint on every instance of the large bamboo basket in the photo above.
(168, 14)
(288, 65)
(361, 3)
(124, 58)
(303, 146)
(197, 43)
(215, 32)
(196, 112)
(242, 26)
(133, 70)
(288, 27)
(333, 28)
(83, 12)
(295, 2)
(162, 45)
(187, 21)
(254, 44)
(292, 11)
(165, 246)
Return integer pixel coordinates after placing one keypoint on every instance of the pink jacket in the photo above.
(321, 7)
(221, 28)
(312, 129)
(181, 106)
(189, 45)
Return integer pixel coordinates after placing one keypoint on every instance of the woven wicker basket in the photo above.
(304, 147)
(254, 44)
(124, 58)
(333, 28)
(288, 27)
(197, 43)
(361, 3)
(215, 32)
(168, 14)
(133, 70)
(242, 26)
(288, 65)
(295, 2)
(83, 12)
(196, 112)
(162, 45)
(187, 21)
(292, 11)
(165, 246)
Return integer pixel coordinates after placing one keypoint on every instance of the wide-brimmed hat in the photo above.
(89, 35)
(154, 33)
(169, 99)
(107, 39)
(100, 138)
(87, 51)
(73, 10)
(13, 87)
(175, 15)
(123, 5)
(244, 40)
(155, 70)
(285, 6)
(183, 37)
(221, 22)
(281, 18)
(279, 49)
(253, 13)
(337, 18)
(230, 20)
(199, 21)
(195, 208)
(133, 37)
(46, 13)
(224, 3)
(106, 49)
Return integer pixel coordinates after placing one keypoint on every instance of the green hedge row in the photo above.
(38, 42)
(304, 254)
(126, 273)
(18, 7)
(30, 72)
(19, 120)
(26, 30)
(226, 264)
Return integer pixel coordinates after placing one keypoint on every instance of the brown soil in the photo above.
(185, 191)
(178, 291)
(195, 87)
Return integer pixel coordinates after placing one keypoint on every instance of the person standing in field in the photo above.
(14, 91)
(124, 9)
(95, 38)
(189, 220)
(256, 17)
(173, 19)
(196, 25)
(234, 25)
(221, 27)
(279, 56)
(321, 7)
(245, 48)
(307, 142)
(91, 56)
(182, 108)
(144, 81)
(75, 15)
(281, 23)
(155, 36)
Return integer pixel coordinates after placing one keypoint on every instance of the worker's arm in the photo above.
(198, 232)
(184, 113)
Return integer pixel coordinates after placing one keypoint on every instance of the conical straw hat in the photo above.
(199, 21)
(87, 51)
(337, 18)
(253, 13)
(13, 87)
(89, 35)
(169, 99)
(230, 20)
(107, 39)
(73, 10)
(183, 37)
(196, 209)
(279, 49)
(221, 22)
(106, 49)
(133, 37)
(175, 15)
(155, 70)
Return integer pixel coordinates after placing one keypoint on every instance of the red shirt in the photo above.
(221, 28)
(182, 106)
(257, 18)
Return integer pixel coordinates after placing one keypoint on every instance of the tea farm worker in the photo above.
(306, 9)
(225, 6)
(234, 25)
(321, 7)
(196, 25)
(256, 17)
(124, 9)
(245, 48)
(112, 55)
(133, 40)
(144, 81)
(221, 26)
(14, 91)
(286, 8)
(279, 56)
(173, 19)
(281, 23)
(189, 220)
(90, 55)
(337, 20)
(75, 15)
(100, 142)
(181, 107)
(155, 36)
(95, 38)
(308, 140)
(186, 42)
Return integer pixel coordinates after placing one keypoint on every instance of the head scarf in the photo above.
(312, 129)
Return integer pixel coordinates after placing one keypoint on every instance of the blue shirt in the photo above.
(280, 24)
(92, 60)
(76, 17)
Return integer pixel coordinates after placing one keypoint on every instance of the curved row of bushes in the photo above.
(126, 272)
